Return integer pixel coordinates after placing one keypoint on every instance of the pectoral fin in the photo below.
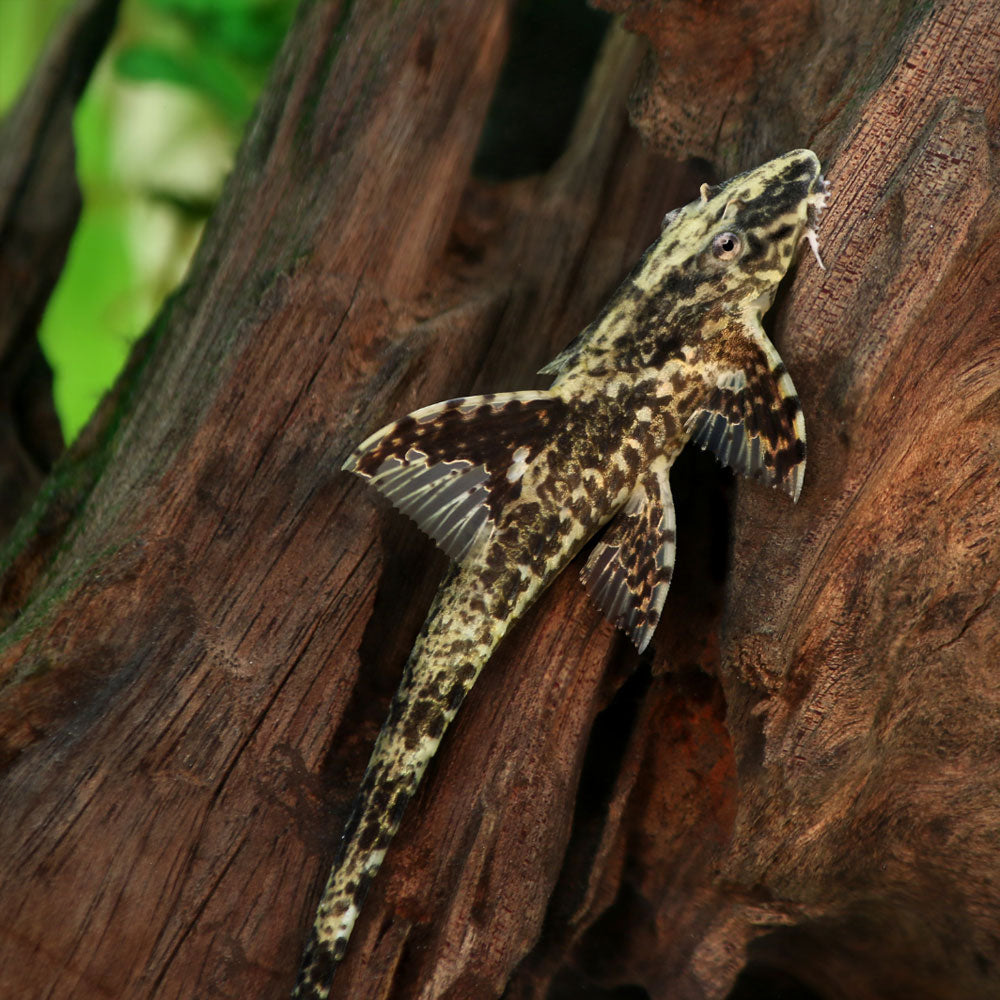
(752, 419)
(628, 573)
(452, 466)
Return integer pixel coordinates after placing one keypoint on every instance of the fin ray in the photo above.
(752, 420)
(446, 465)
(628, 572)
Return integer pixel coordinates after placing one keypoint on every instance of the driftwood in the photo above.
(798, 789)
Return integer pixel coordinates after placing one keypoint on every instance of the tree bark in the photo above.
(797, 789)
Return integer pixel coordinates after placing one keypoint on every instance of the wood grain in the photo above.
(796, 788)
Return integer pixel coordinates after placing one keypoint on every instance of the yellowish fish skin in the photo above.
(512, 485)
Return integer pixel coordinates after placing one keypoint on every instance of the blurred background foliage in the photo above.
(156, 133)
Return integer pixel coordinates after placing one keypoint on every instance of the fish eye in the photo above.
(726, 246)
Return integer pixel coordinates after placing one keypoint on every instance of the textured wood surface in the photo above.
(797, 788)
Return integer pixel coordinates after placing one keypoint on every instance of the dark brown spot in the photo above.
(324, 963)
(366, 838)
(396, 810)
(436, 726)
(380, 795)
(455, 695)
(632, 458)
(615, 480)
(760, 420)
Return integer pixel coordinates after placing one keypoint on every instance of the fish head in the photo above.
(731, 246)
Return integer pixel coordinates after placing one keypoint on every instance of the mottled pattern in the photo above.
(512, 485)
(629, 571)
(455, 465)
(752, 420)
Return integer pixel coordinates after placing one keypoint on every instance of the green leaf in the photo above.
(248, 31)
(152, 62)
(203, 73)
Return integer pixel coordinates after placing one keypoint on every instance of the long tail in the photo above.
(453, 467)
(455, 643)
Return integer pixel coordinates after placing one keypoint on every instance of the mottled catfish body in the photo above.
(512, 485)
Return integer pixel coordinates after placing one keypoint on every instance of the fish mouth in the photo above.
(815, 203)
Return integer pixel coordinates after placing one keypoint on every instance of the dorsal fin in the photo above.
(569, 354)
(454, 465)
(752, 420)
(628, 573)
